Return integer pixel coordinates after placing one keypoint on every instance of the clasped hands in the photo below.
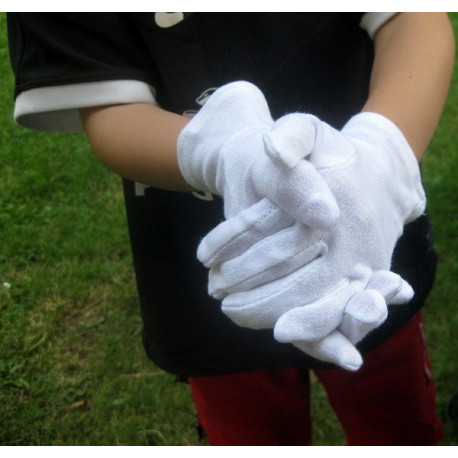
(312, 218)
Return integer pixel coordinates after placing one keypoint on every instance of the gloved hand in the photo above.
(221, 151)
(373, 173)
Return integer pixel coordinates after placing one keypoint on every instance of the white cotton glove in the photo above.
(373, 173)
(221, 151)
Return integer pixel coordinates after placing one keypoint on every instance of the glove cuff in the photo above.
(230, 109)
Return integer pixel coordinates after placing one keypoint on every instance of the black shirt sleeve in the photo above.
(64, 48)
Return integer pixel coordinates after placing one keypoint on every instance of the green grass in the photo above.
(440, 171)
(72, 366)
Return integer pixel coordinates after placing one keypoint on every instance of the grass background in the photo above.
(72, 366)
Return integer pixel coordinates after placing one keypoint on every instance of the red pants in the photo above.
(389, 401)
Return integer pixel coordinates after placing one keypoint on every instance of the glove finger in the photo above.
(292, 307)
(364, 312)
(247, 310)
(270, 259)
(301, 192)
(299, 135)
(306, 198)
(291, 139)
(260, 308)
(387, 283)
(334, 348)
(316, 320)
(391, 286)
(404, 295)
(233, 237)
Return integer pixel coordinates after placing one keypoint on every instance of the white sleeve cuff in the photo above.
(371, 22)
(56, 108)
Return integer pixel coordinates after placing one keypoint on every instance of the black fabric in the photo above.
(312, 62)
(301, 61)
(64, 48)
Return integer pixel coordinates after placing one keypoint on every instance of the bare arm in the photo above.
(414, 56)
(137, 141)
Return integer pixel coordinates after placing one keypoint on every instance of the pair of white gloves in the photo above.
(312, 218)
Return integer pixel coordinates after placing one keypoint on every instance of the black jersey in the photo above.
(309, 62)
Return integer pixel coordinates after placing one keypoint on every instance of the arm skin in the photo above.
(411, 75)
(414, 57)
(137, 141)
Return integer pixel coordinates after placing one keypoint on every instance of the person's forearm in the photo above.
(414, 56)
(137, 141)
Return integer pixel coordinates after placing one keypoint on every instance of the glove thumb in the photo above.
(291, 139)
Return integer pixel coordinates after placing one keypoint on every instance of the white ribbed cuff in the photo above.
(371, 22)
(56, 108)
